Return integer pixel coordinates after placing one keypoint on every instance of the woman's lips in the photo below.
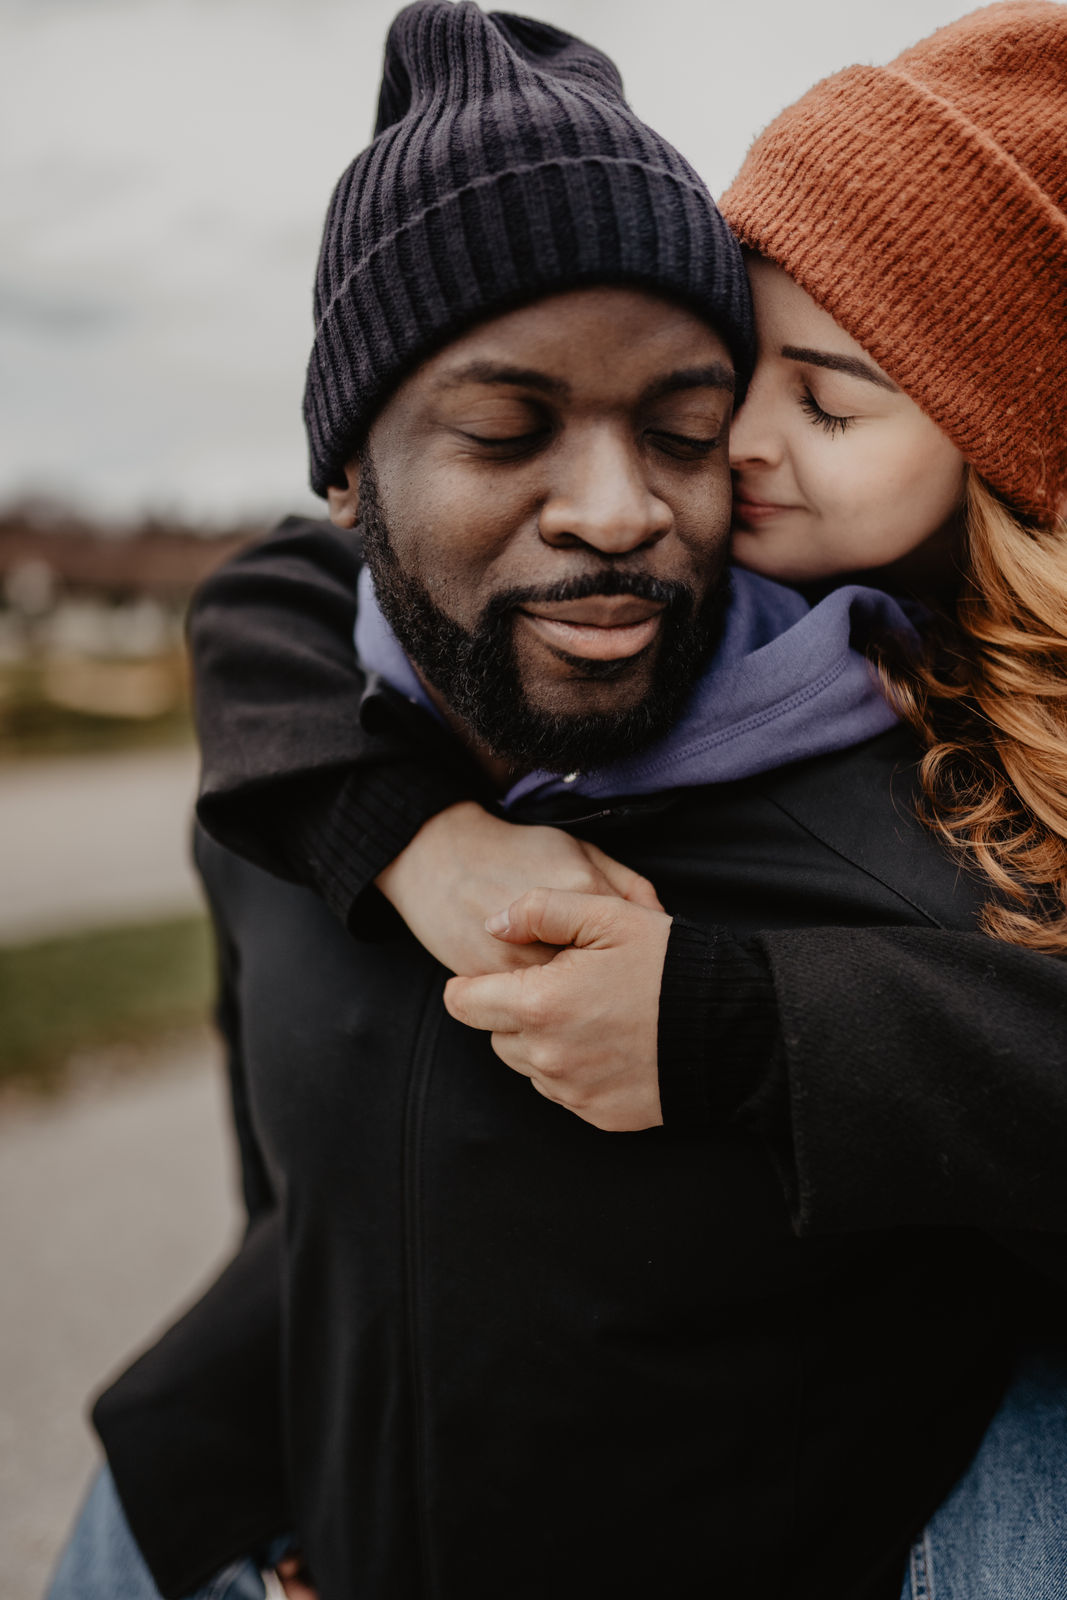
(748, 509)
(602, 628)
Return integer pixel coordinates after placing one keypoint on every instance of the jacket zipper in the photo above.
(414, 1112)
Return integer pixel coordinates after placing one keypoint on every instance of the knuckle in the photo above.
(544, 1060)
(526, 1008)
(533, 1005)
(535, 902)
(528, 1020)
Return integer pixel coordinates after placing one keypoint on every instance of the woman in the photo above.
(923, 207)
(878, 440)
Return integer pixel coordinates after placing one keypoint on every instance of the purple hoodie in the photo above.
(785, 683)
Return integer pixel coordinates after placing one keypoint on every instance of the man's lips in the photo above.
(600, 628)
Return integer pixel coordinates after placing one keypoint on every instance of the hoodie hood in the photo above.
(788, 681)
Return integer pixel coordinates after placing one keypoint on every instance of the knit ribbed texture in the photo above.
(342, 829)
(506, 166)
(924, 205)
(717, 1029)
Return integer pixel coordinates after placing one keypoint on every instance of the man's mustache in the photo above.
(643, 585)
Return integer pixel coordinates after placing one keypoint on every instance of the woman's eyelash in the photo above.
(823, 419)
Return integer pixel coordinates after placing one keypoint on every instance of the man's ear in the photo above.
(344, 503)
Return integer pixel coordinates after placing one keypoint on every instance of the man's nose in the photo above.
(754, 434)
(601, 496)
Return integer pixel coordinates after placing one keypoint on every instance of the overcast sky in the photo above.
(164, 169)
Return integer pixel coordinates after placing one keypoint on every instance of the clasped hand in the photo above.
(583, 1026)
(566, 979)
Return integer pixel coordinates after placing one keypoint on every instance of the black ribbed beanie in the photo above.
(506, 165)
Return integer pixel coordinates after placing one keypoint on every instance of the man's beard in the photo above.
(477, 672)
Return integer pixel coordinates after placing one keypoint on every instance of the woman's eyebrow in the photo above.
(850, 364)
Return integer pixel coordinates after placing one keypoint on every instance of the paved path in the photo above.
(92, 840)
(115, 1203)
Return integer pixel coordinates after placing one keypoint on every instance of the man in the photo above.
(522, 1357)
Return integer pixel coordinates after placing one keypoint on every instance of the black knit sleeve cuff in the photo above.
(717, 1026)
(347, 829)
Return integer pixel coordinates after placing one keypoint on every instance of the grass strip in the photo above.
(111, 986)
(33, 722)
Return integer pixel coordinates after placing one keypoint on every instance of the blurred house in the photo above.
(52, 563)
(91, 618)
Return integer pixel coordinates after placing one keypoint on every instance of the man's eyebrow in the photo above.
(499, 373)
(850, 364)
(713, 376)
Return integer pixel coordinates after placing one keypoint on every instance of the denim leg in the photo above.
(917, 1577)
(1002, 1532)
(102, 1560)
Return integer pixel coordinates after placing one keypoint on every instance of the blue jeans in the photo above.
(1002, 1532)
(1000, 1535)
(102, 1560)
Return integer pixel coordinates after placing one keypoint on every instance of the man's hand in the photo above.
(583, 1027)
(464, 864)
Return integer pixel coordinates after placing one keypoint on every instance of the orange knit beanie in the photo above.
(924, 206)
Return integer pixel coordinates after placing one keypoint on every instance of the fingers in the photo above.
(495, 1003)
(623, 880)
(555, 917)
(293, 1579)
(495, 1008)
(583, 1028)
(505, 956)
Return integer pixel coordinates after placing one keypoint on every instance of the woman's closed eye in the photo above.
(828, 421)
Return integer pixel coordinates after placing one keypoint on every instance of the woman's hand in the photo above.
(464, 864)
(583, 1027)
(292, 1580)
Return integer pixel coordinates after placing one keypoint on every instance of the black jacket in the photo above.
(525, 1357)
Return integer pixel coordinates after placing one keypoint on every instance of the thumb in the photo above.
(556, 917)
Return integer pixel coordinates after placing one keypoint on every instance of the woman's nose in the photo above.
(754, 433)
